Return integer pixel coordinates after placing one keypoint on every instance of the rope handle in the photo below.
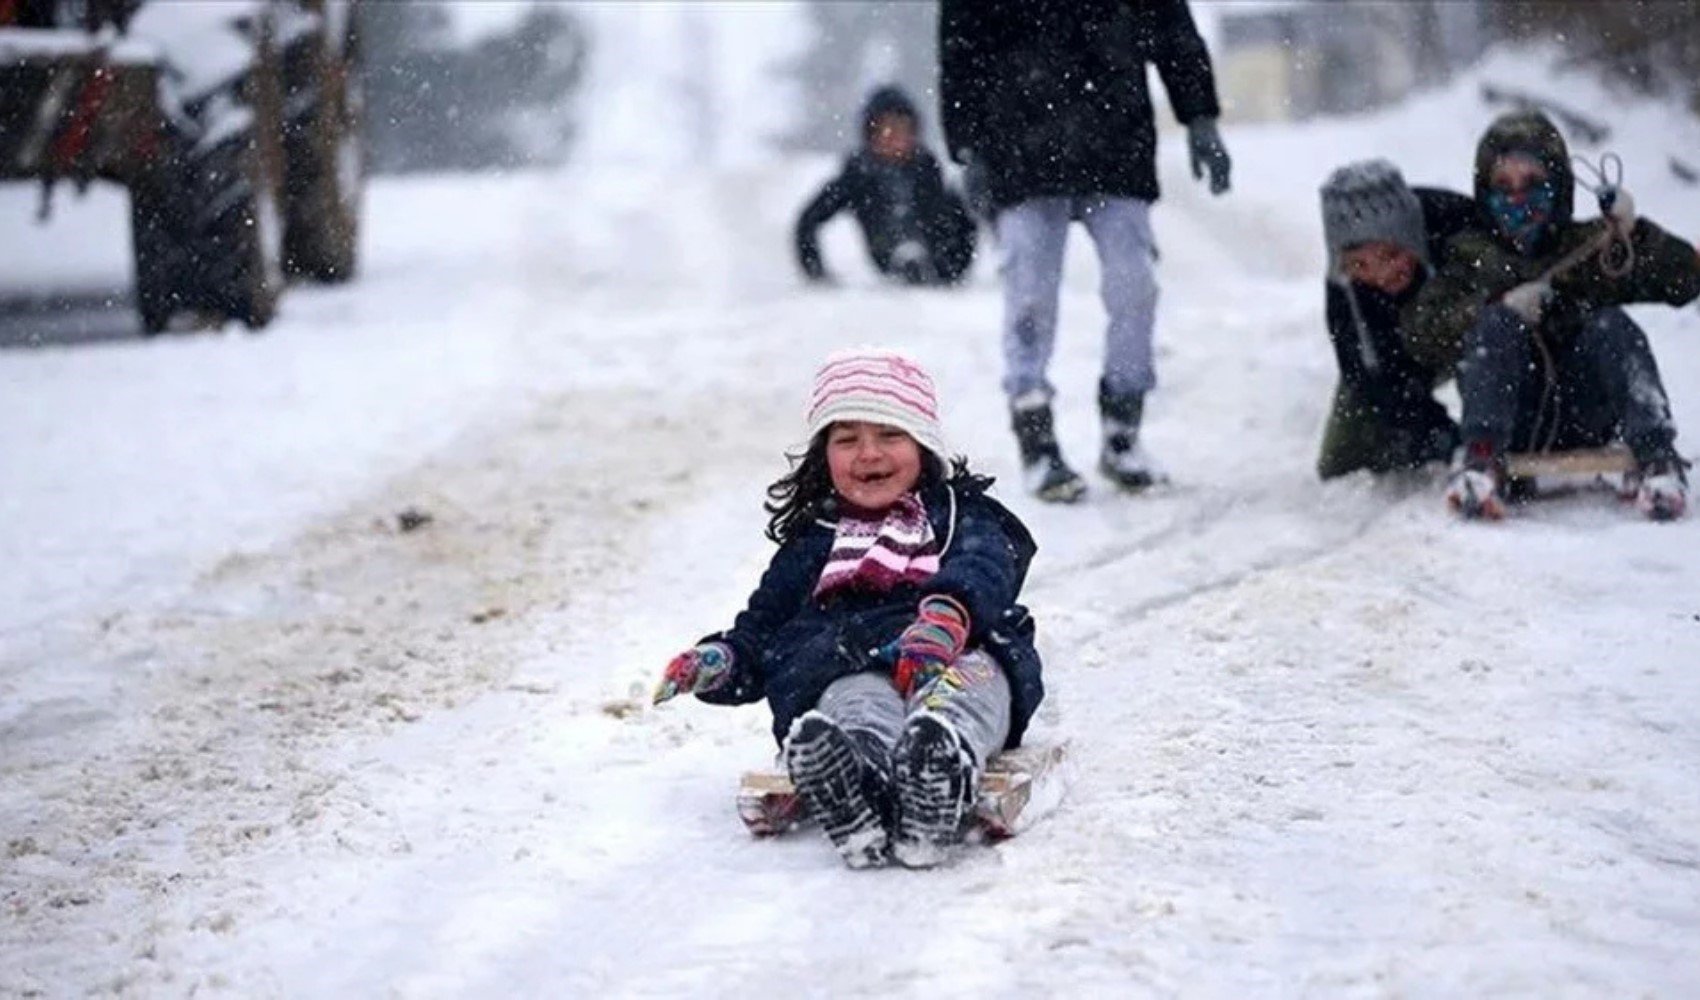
(1605, 181)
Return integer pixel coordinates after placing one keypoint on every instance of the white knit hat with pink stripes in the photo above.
(881, 387)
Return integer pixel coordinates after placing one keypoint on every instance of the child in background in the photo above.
(917, 229)
(885, 634)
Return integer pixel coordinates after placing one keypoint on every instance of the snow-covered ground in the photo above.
(256, 741)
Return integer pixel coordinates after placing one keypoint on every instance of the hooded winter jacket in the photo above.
(892, 202)
(1050, 96)
(1482, 264)
(788, 646)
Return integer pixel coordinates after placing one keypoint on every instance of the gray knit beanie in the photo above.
(1368, 202)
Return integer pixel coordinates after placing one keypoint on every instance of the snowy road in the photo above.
(257, 741)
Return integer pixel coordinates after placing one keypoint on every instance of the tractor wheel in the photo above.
(234, 170)
(164, 279)
(237, 231)
(323, 158)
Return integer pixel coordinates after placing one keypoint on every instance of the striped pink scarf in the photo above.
(878, 553)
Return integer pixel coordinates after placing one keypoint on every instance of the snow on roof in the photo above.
(471, 20)
(202, 40)
(20, 44)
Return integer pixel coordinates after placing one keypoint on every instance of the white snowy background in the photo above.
(254, 741)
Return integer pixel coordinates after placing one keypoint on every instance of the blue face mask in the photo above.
(1526, 218)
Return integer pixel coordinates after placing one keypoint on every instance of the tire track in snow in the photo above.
(279, 662)
(1195, 532)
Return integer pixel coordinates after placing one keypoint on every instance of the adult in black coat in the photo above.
(916, 228)
(1046, 102)
(1385, 239)
(1049, 97)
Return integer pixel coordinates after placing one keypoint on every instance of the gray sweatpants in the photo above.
(972, 696)
(1032, 236)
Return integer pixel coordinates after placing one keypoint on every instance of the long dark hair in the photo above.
(806, 492)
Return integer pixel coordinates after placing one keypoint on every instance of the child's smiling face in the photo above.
(872, 465)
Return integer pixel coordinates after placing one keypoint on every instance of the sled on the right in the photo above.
(1533, 474)
(1581, 467)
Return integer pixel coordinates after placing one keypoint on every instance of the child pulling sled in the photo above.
(885, 634)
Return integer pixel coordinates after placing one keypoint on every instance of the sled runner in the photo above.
(1017, 783)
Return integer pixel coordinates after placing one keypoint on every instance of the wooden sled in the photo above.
(1014, 781)
(1584, 463)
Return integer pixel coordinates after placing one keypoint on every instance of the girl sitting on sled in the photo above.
(885, 634)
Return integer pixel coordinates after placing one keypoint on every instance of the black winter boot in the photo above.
(937, 780)
(1122, 460)
(1048, 477)
(838, 785)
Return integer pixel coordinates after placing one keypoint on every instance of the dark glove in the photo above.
(1205, 142)
(929, 646)
(701, 668)
(814, 270)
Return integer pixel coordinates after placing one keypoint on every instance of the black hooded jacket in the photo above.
(892, 201)
(1050, 96)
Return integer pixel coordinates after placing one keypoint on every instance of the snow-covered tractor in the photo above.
(234, 124)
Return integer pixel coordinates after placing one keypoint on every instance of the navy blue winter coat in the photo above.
(787, 646)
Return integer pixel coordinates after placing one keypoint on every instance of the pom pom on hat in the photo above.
(881, 387)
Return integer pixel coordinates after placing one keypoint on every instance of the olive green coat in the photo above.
(1481, 266)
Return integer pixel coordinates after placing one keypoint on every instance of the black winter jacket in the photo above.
(1050, 96)
(892, 202)
(787, 646)
(1369, 345)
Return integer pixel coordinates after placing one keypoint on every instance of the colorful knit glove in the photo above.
(931, 644)
(701, 668)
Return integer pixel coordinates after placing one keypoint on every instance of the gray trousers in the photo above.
(972, 696)
(1031, 237)
(1608, 386)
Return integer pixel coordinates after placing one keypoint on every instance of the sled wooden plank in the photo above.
(768, 804)
(1007, 787)
(1583, 462)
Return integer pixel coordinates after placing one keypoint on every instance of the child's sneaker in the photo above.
(1476, 489)
(937, 779)
(1660, 488)
(839, 788)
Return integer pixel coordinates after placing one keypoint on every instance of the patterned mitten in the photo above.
(698, 669)
(930, 645)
